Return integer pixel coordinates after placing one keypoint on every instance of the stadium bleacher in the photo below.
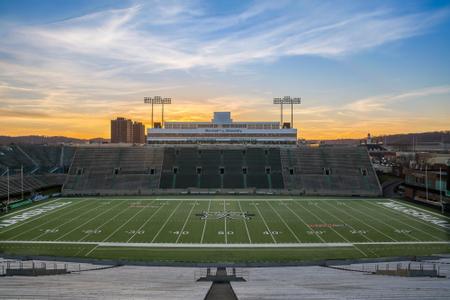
(43, 166)
(134, 170)
(329, 171)
(114, 170)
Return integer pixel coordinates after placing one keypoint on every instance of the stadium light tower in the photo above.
(287, 100)
(158, 100)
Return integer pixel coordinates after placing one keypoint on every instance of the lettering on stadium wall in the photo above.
(31, 213)
(224, 130)
(418, 214)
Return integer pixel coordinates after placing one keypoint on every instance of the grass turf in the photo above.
(363, 225)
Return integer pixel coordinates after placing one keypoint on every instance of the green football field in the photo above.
(224, 229)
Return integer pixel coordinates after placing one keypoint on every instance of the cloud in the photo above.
(103, 63)
(382, 102)
(161, 36)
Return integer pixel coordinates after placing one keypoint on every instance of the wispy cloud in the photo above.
(382, 102)
(164, 36)
(100, 63)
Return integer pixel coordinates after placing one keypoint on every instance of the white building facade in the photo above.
(222, 129)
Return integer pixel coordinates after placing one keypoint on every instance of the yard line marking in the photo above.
(298, 217)
(340, 220)
(145, 223)
(436, 227)
(387, 224)
(46, 222)
(417, 220)
(267, 227)
(107, 221)
(87, 221)
(92, 250)
(70, 220)
(185, 222)
(204, 224)
(213, 245)
(321, 220)
(284, 222)
(245, 197)
(118, 228)
(225, 220)
(245, 223)
(165, 223)
(374, 228)
(419, 208)
(37, 218)
(28, 208)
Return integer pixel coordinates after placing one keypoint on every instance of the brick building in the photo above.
(126, 131)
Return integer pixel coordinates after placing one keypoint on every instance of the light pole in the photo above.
(7, 174)
(287, 100)
(440, 189)
(157, 100)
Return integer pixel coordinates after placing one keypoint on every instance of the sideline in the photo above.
(419, 208)
(246, 245)
(28, 208)
(194, 197)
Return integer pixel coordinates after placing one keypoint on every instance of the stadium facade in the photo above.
(222, 129)
(217, 157)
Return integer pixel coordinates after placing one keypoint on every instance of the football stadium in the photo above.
(209, 192)
(225, 150)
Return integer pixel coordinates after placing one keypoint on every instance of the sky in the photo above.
(68, 67)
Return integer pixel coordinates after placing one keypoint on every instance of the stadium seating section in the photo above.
(43, 166)
(135, 170)
(329, 171)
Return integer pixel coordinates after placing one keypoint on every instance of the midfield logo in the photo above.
(225, 215)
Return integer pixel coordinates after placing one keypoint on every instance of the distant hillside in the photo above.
(40, 139)
(425, 137)
(404, 139)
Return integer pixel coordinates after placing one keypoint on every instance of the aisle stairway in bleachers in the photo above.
(329, 171)
(209, 168)
(114, 170)
(345, 171)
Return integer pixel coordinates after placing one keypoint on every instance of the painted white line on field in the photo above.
(86, 222)
(198, 245)
(204, 224)
(284, 222)
(145, 223)
(321, 220)
(340, 220)
(92, 250)
(118, 228)
(37, 218)
(167, 221)
(427, 222)
(237, 197)
(107, 221)
(377, 220)
(68, 221)
(419, 208)
(366, 224)
(267, 227)
(225, 220)
(245, 223)
(300, 218)
(406, 224)
(185, 222)
(28, 208)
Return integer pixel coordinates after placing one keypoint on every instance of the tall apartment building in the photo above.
(121, 130)
(126, 131)
(138, 133)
